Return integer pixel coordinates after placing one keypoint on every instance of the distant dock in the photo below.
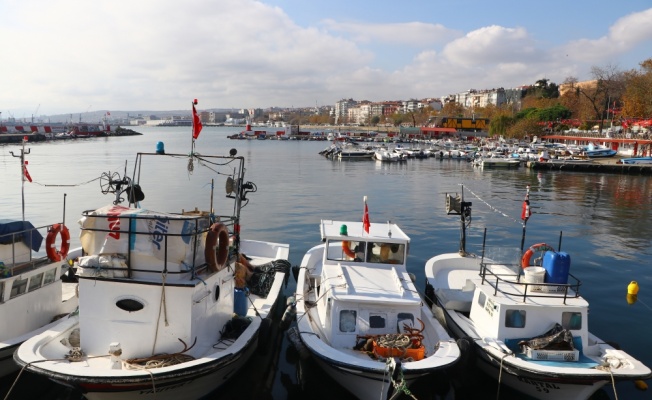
(601, 166)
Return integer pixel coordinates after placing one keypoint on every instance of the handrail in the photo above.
(131, 233)
(485, 271)
(15, 237)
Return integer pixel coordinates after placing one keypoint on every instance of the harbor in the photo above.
(612, 207)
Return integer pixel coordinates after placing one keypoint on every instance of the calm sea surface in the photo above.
(606, 222)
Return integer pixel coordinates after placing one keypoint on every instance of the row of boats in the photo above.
(169, 305)
(489, 155)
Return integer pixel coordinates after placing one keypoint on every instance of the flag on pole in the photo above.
(365, 218)
(525, 209)
(196, 122)
(25, 172)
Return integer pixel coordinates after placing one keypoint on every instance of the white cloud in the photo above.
(417, 34)
(71, 55)
(624, 35)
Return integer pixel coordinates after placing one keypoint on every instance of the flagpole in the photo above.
(525, 214)
(22, 172)
(192, 146)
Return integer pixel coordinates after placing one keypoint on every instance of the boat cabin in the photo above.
(363, 287)
(509, 306)
(29, 282)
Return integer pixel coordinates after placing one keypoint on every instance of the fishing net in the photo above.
(262, 279)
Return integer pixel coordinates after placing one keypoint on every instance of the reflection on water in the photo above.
(604, 221)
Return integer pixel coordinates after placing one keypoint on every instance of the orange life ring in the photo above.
(525, 261)
(53, 254)
(347, 250)
(217, 236)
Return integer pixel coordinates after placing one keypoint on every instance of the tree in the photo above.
(607, 88)
(637, 96)
(524, 127)
(500, 124)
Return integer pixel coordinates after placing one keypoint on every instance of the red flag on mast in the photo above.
(365, 218)
(196, 122)
(25, 172)
(525, 209)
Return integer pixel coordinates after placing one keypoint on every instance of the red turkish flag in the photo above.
(365, 218)
(196, 123)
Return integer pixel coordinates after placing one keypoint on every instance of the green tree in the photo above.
(500, 124)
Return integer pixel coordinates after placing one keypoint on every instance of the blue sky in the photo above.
(70, 56)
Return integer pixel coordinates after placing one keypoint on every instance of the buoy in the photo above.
(640, 385)
(289, 315)
(160, 148)
(631, 298)
(632, 288)
(295, 338)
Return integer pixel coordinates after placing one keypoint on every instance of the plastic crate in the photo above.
(552, 355)
(386, 352)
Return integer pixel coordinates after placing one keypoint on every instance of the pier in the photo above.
(601, 166)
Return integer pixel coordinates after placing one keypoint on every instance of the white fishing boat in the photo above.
(33, 260)
(170, 304)
(32, 294)
(524, 318)
(360, 315)
(497, 162)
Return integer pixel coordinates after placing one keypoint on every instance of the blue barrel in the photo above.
(240, 302)
(557, 266)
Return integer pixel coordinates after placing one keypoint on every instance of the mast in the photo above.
(23, 171)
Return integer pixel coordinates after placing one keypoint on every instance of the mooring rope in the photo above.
(492, 208)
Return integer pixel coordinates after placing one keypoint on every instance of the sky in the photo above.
(74, 56)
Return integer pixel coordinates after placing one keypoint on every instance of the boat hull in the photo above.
(365, 372)
(192, 382)
(537, 386)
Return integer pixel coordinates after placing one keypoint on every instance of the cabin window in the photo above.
(347, 320)
(350, 250)
(404, 319)
(571, 320)
(19, 287)
(481, 299)
(129, 305)
(515, 318)
(35, 281)
(376, 321)
(387, 253)
(50, 276)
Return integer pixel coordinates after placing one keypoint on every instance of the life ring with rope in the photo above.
(347, 249)
(527, 256)
(217, 236)
(53, 253)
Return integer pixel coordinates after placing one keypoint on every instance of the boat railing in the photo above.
(12, 262)
(201, 223)
(510, 283)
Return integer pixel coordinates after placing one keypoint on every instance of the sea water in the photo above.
(605, 221)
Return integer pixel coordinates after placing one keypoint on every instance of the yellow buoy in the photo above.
(632, 288)
(640, 385)
(631, 298)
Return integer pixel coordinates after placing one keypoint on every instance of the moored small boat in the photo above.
(360, 316)
(170, 304)
(525, 318)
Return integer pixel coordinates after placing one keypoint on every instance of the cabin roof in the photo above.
(364, 283)
(385, 232)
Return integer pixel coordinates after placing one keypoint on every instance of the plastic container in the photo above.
(240, 302)
(534, 275)
(386, 352)
(557, 266)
